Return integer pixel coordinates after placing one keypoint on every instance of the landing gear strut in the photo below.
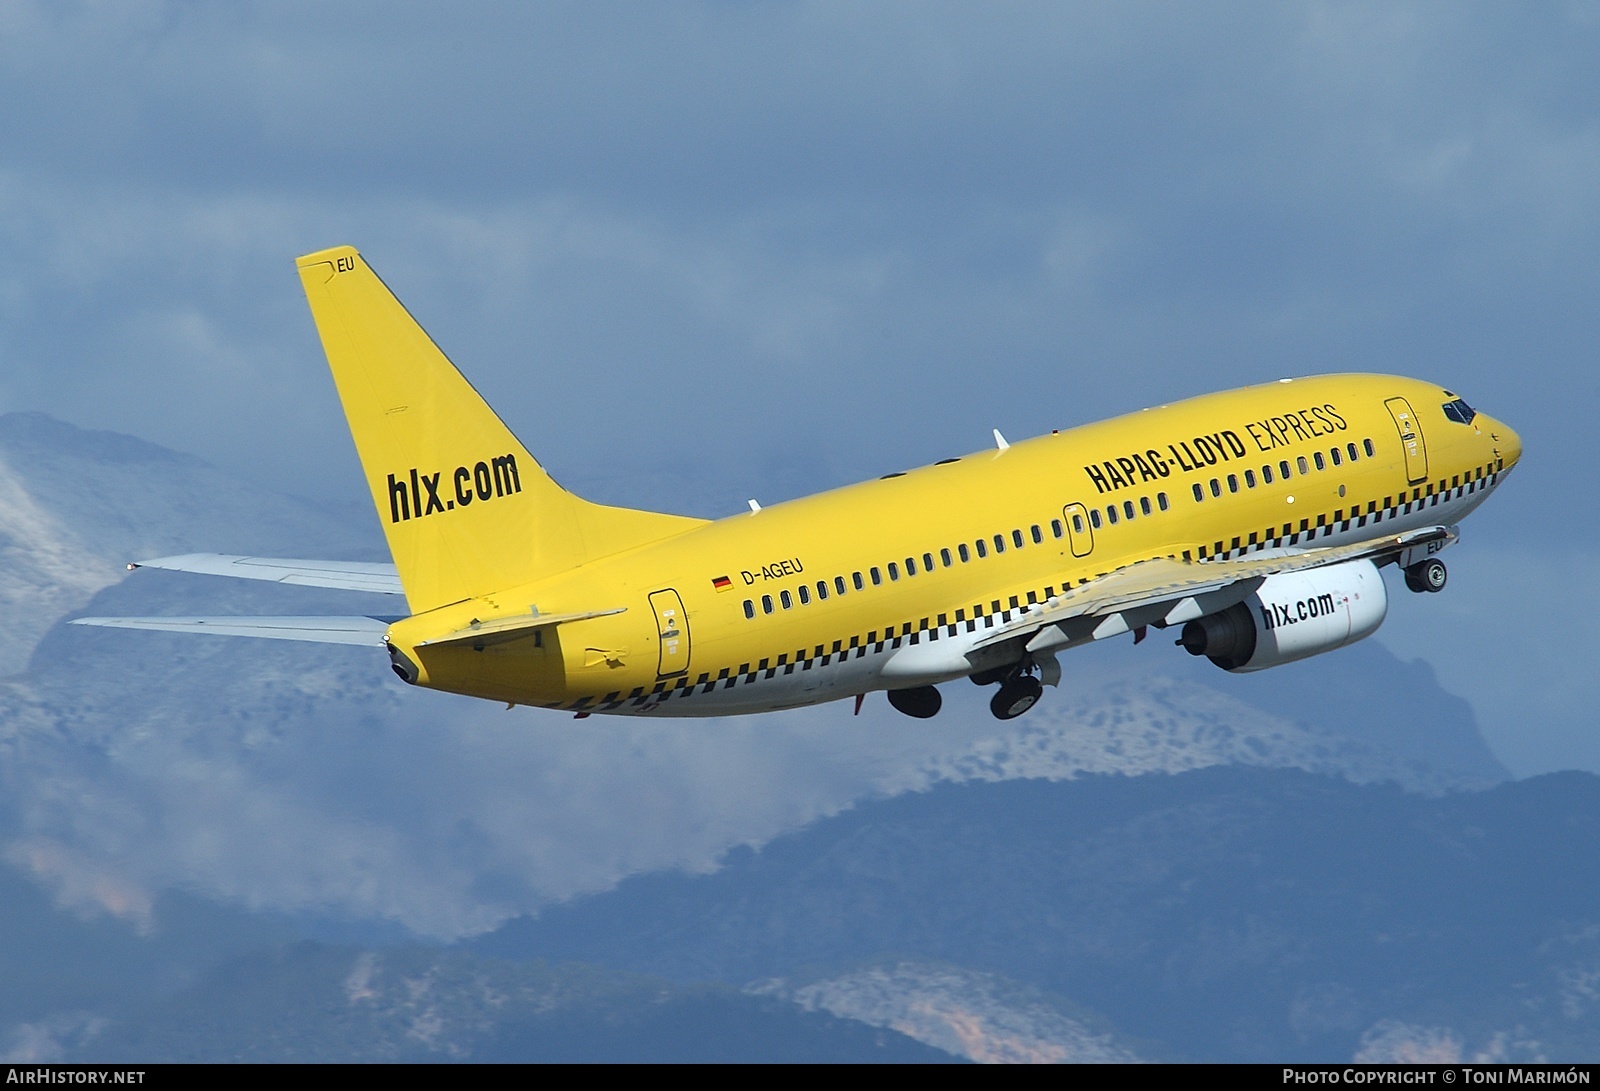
(1429, 575)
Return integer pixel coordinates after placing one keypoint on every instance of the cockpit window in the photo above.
(1459, 411)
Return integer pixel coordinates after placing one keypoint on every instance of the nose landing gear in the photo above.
(1429, 575)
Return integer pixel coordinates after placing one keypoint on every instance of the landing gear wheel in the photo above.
(1427, 576)
(923, 702)
(1016, 697)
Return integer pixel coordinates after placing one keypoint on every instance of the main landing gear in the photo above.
(1016, 696)
(1019, 689)
(923, 702)
(1429, 575)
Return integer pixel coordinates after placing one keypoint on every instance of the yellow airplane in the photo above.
(1254, 520)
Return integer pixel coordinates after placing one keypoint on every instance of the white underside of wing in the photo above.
(321, 630)
(1167, 591)
(377, 577)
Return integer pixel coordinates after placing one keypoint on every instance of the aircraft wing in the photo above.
(379, 578)
(321, 630)
(1165, 591)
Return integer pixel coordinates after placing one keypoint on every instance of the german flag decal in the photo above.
(721, 583)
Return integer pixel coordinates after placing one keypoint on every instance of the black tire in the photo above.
(923, 702)
(1430, 576)
(1016, 697)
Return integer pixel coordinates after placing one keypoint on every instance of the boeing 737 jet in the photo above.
(1251, 525)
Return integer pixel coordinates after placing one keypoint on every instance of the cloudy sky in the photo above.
(698, 252)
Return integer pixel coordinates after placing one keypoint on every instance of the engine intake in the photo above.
(1292, 616)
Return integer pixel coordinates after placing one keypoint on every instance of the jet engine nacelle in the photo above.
(1292, 616)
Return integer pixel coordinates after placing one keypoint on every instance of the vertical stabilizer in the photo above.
(466, 509)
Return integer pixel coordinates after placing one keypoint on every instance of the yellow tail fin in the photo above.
(467, 511)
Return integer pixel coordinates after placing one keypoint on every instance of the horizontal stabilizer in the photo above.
(320, 630)
(501, 629)
(377, 577)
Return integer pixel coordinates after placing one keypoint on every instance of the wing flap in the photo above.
(362, 630)
(376, 577)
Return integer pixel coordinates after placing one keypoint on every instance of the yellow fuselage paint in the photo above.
(1233, 446)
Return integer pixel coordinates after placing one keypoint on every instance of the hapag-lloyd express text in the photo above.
(1199, 452)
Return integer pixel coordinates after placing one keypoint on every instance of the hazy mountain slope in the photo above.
(313, 1003)
(77, 505)
(1127, 709)
(1230, 913)
(981, 1016)
(199, 982)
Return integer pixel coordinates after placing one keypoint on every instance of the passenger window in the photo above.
(787, 600)
(1216, 487)
(838, 584)
(1161, 501)
(911, 566)
(1266, 475)
(1111, 514)
(1351, 448)
(766, 604)
(1094, 518)
(944, 555)
(856, 579)
(1283, 468)
(805, 595)
(1127, 509)
(927, 562)
(1144, 504)
(1316, 457)
(749, 608)
(877, 577)
(894, 571)
(1055, 528)
(1336, 459)
(1300, 464)
(983, 550)
(999, 543)
(1233, 483)
(1249, 479)
(1016, 538)
(1366, 445)
(822, 590)
(1199, 493)
(1038, 535)
(961, 551)
(1077, 524)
